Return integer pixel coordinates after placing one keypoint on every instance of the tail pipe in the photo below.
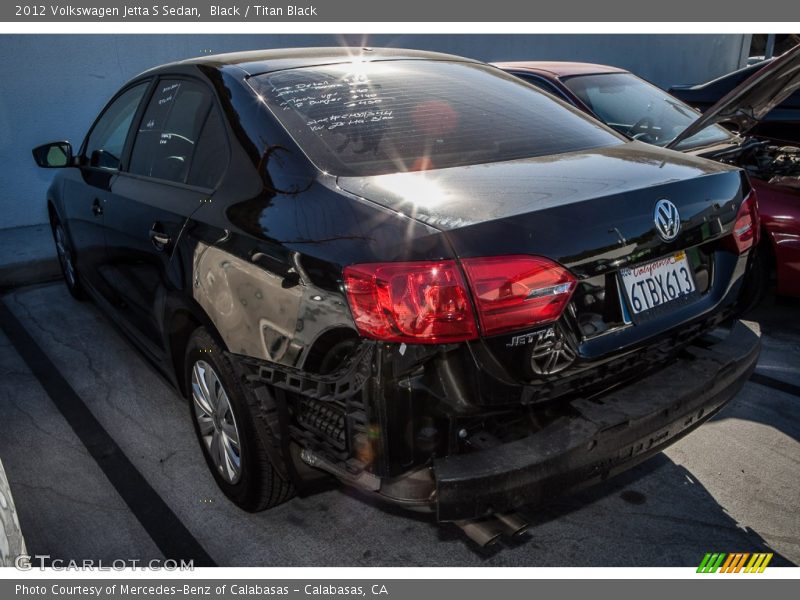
(488, 531)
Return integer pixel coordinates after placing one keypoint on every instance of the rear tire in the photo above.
(66, 260)
(220, 408)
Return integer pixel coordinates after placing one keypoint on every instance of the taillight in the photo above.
(518, 292)
(415, 302)
(747, 227)
(428, 302)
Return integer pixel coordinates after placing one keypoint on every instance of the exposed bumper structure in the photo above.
(607, 436)
(593, 440)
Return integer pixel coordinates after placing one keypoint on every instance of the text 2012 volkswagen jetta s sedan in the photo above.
(407, 270)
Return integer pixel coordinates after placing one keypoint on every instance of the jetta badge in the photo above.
(667, 220)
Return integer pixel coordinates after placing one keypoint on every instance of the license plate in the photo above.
(658, 283)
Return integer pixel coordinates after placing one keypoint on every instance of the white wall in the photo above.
(53, 86)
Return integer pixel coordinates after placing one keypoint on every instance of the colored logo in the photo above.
(735, 563)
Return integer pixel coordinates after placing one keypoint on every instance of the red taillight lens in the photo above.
(516, 292)
(747, 227)
(428, 302)
(415, 302)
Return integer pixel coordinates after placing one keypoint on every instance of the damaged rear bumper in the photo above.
(592, 440)
(609, 435)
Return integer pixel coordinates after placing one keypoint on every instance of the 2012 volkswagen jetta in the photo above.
(409, 271)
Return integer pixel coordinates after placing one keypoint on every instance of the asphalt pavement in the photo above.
(730, 486)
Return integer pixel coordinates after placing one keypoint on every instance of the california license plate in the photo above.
(657, 284)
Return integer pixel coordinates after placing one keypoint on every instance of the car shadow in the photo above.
(777, 315)
(656, 514)
(685, 513)
(758, 402)
(761, 404)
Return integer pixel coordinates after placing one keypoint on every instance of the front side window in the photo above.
(169, 130)
(107, 139)
(372, 118)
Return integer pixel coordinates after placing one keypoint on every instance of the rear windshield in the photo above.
(373, 118)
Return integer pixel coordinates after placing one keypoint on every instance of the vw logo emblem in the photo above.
(667, 220)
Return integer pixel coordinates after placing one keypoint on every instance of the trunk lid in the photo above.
(585, 210)
(591, 211)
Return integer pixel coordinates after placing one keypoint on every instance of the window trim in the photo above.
(170, 182)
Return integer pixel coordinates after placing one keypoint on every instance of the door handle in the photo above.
(97, 208)
(158, 238)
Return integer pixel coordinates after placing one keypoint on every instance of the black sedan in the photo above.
(408, 271)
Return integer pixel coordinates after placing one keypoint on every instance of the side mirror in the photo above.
(54, 155)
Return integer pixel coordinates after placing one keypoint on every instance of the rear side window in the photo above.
(170, 129)
(106, 141)
(211, 153)
(372, 118)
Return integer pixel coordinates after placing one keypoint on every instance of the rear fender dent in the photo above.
(254, 313)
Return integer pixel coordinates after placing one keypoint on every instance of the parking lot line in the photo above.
(775, 384)
(66, 505)
(158, 519)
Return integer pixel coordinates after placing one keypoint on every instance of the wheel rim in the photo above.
(216, 421)
(64, 255)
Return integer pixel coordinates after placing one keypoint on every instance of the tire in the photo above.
(66, 260)
(252, 482)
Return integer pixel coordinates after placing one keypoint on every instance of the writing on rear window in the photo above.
(371, 118)
(352, 100)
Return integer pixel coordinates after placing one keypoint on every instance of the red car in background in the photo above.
(644, 112)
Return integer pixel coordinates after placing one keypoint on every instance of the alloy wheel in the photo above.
(216, 421)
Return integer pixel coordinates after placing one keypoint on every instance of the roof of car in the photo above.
(254, 62)
(558, 68)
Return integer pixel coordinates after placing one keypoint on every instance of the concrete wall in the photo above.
(53, 86)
